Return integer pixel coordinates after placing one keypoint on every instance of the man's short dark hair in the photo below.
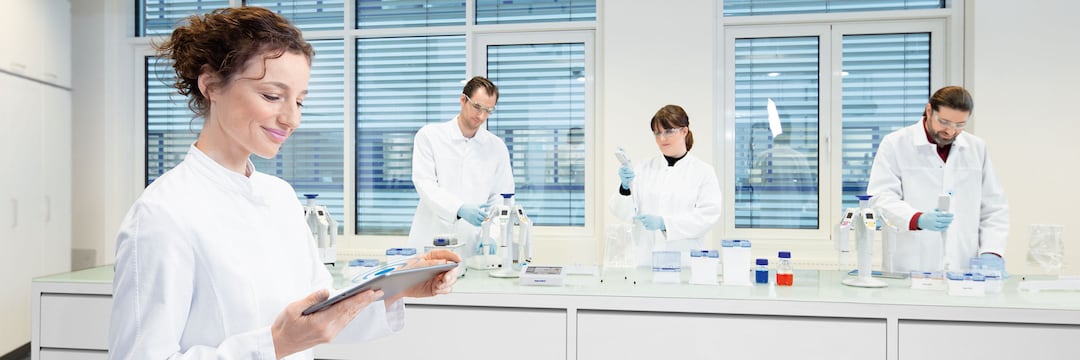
(953, 97)
(480, 82)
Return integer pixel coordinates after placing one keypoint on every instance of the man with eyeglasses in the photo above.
(459, 169)
(918, 164)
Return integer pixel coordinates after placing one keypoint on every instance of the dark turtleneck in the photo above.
(670, 162)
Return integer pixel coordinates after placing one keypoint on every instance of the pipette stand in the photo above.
(865, 223)
(323, 229)
(504, 217)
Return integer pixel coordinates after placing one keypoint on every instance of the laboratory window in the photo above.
(407, 63)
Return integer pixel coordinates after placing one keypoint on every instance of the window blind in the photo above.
(401, 85)
(541, 117)
(886, 85)
(375, 14)
(776, 175)
(532, 11)
(159, 17)
(170, 127)
(782, 7)
(308, 15)
(311, 160)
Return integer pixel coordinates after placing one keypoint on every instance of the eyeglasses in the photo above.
(949, 124)
(479, 107)
(666, 133)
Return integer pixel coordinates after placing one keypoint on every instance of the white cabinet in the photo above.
(54, 147)
(15, 56)
(450, 332)
(656, 335)
(54, 44)
(75, 321)
(62, 354)
(35, 196)
(488, 318)
(37, 41)
(23, 221)
(986, 341)
(35, 192)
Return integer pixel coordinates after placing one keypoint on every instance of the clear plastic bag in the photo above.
(1045, 247)
(619, 247)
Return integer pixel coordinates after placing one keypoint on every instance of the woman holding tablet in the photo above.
(214, 259)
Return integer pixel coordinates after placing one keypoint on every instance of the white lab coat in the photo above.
(207, 258)
(686, 195)
(449, 170)
(907, 177)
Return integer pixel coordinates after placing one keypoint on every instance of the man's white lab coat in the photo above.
(449, 170)
(907, 177)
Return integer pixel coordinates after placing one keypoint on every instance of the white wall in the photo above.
(655, 53)
(652, 53)
(105, 178)
(1024, 83)
(88, 151)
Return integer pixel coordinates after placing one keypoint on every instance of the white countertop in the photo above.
(809, 286)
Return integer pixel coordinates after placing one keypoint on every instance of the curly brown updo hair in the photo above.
(222, 42)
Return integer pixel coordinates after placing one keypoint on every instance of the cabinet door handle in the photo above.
(48, 208)
(14, 212)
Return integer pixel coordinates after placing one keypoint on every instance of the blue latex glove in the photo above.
(935, 221)
(651, 222)
(994, 262)
(625, 175)
(472, 213)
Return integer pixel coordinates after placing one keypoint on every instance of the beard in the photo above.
(941, 140)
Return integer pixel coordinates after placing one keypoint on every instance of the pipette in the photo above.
(943, 205)
(625, 161)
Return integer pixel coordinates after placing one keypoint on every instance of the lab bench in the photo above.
(623, 315)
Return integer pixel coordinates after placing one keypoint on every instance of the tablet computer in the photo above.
(391, 283)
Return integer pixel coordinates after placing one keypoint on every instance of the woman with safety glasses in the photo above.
(674, 197)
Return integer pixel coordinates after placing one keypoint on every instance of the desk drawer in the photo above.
(60, 354)
(71, 321)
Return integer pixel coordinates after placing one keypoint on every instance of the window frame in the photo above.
(349, 240)
(478, 51)
(946, 60)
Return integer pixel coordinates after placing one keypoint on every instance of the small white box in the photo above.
(397, 255)
(927, 281)
(703, 266)
(966, 284)
(736, 256)
(667, 266)
(457, 248)
(543, 275)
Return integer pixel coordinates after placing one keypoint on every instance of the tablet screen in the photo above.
(391, 283)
